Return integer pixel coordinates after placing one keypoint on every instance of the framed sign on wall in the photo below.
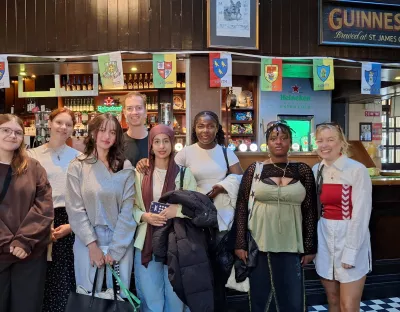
(233, 24)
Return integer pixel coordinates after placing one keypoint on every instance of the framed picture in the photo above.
(366, 131)
(232, 24)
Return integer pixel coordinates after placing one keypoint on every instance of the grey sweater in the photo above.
(95, 196)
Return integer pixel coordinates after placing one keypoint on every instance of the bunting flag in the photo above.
(220, 70)
(4, 74)
(164, 70)
(324, 78)
(111, 71)
(271, 74)
(371, 78)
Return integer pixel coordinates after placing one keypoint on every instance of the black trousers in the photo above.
(277, 283)
(22, 285)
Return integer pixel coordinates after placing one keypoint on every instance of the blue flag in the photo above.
(371, 78)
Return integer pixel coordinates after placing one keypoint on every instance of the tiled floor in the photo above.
(383, 305)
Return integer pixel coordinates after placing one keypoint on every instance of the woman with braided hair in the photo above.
(277, 204)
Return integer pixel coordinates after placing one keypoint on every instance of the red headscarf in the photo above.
(147, 185)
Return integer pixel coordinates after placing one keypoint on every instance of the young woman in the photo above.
(55, 157)
(99, 203)
(151, 277)
(277, 205)
(345, 197)
(205, 158)
(26, 214)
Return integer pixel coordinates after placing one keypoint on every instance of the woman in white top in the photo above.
(99, 203)
(345, 198)
(205, 159)
(55, 157)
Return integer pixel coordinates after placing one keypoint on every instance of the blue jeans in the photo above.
(153, 287)
(277, 283)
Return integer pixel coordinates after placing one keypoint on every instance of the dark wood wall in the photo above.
(40, 27)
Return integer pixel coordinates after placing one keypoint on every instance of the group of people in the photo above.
(64, 215)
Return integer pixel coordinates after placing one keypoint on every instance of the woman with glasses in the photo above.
(345, 199)
(55, 157)
(26, 214)
(277, 205)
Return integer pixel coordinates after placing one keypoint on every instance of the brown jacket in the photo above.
(26, 212)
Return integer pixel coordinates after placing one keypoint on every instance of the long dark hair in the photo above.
(115, 155)
(219, 137)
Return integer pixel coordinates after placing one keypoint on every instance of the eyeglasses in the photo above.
(335, 124)
(8, 131)
(276, 123)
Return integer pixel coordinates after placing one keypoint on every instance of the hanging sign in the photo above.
(271, 74)
(362, 23)
(111, 71)
(164, 70)
(4, 74)
(220, 70)
(377, 131)
(323, 75)
(371, 78)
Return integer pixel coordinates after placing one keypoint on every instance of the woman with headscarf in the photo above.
(151, 277)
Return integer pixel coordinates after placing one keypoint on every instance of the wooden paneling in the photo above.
(43, 27)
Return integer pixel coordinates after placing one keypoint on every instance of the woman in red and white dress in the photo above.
(345, 200)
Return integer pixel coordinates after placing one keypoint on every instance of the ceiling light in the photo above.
(134, 69)
(397, 78)
(22, 73)
(33, 76)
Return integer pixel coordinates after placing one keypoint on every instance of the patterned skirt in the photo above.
(60, 278)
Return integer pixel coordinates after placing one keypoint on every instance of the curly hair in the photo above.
(19, 162)
(115, 156)
(220, 135)
(279, 125)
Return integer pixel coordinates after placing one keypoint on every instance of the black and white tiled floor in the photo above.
(382, 305)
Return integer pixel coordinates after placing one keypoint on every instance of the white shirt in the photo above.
(207, 165)
(346, 241)
(158, 182)
(56, 168)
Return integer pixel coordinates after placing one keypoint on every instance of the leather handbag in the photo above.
(82, 303)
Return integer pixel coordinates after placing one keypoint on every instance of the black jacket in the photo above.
(182, 244)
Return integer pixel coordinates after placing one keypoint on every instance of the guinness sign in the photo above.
(362, 23)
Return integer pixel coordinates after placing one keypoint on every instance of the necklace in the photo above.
(284, 170)
(59, 153)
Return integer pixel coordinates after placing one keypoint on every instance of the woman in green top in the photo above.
(151, 277)
(277, 204)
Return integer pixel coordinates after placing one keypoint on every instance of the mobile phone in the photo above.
(156, 207)
(209, 193)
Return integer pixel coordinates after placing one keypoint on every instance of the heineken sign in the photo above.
(360, 23)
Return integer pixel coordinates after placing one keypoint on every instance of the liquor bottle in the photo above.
(74, 109)
(91, 107)
(135, 82)
(68, 86)
(125, 83)
(183, 81)
(78, 85)
(80, 109)
(84, 85)
(64, 83)
(140, 81)
(178, 81)
(151, 84)
(130, 82)
(73, 86)
(146, 82)
(89, 85)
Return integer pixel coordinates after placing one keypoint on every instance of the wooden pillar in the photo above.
(201, 96)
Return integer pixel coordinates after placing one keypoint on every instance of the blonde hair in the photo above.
(19, 162)
(134, 94)
(339, 131)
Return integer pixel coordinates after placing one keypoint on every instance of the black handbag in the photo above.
(82, 303)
